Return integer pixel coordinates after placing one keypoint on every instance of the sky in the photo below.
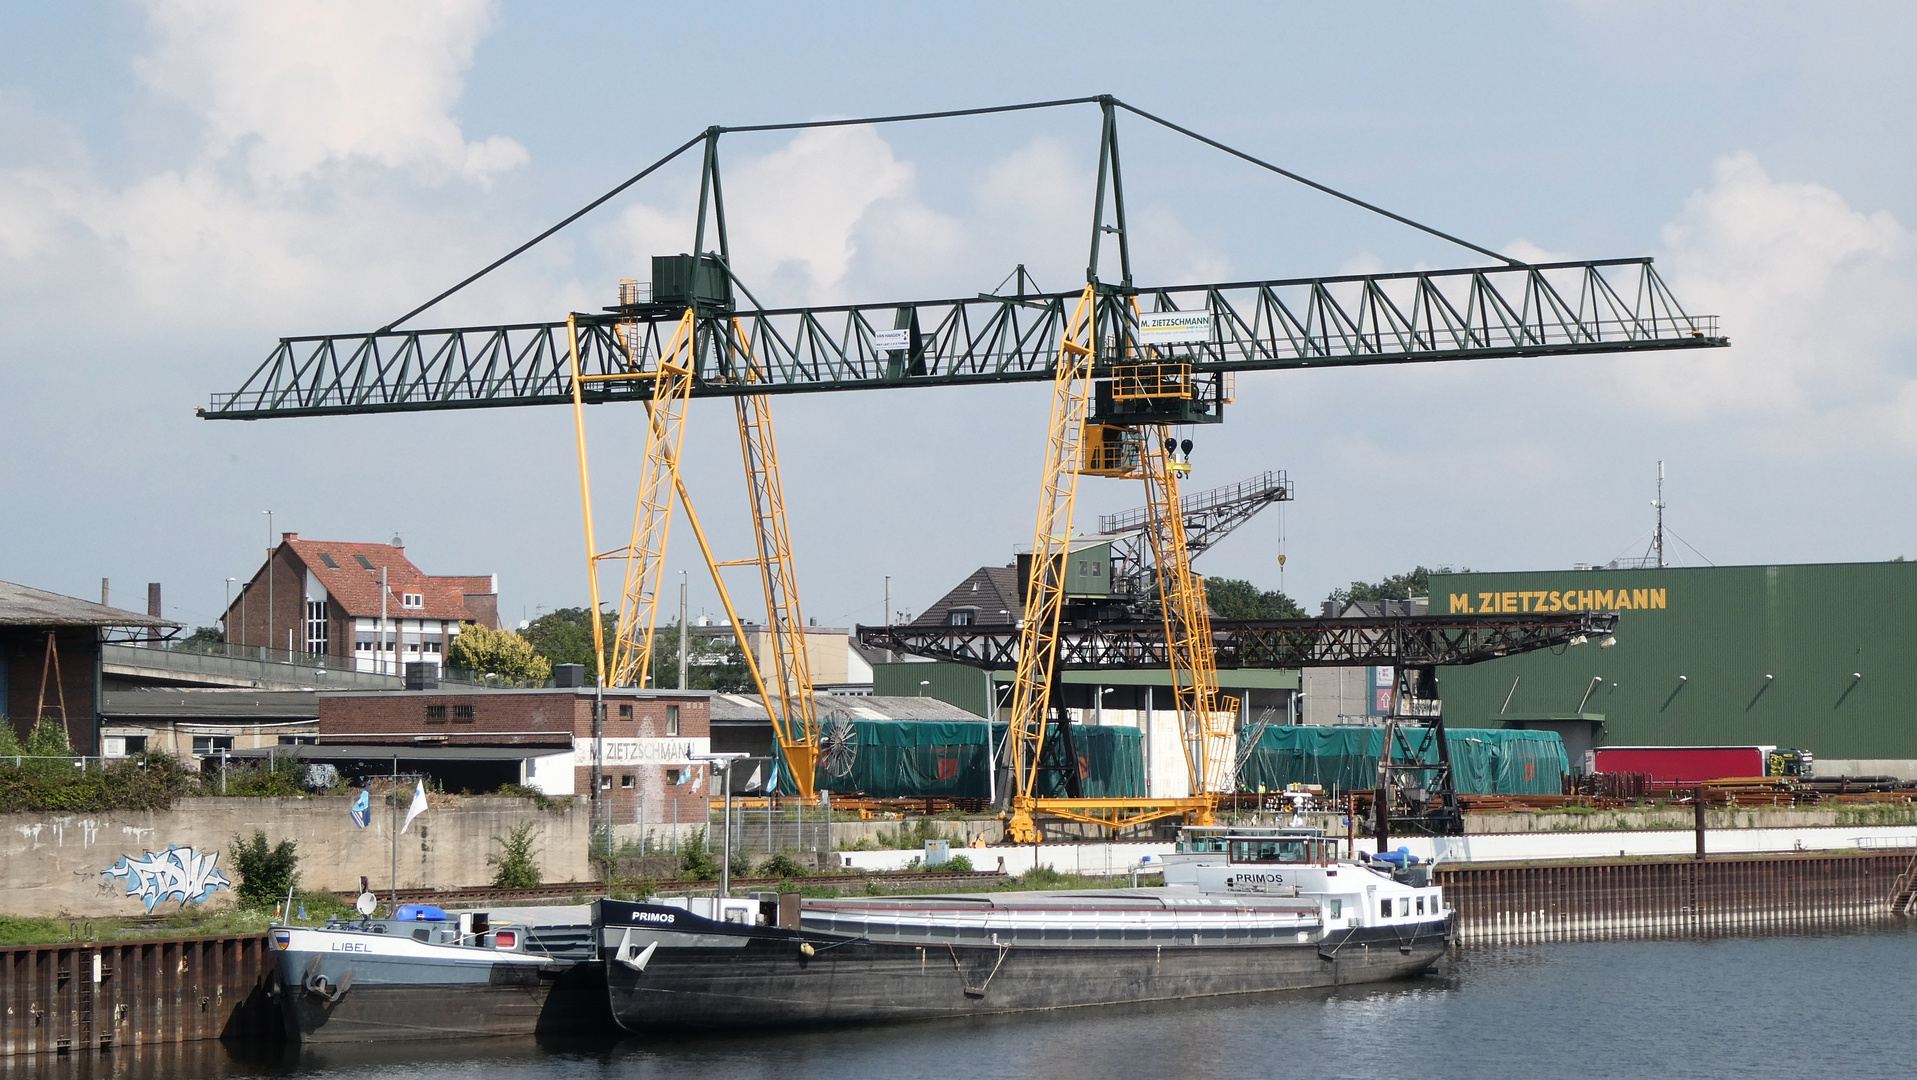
(182, 182)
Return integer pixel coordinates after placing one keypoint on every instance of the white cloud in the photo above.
(1811, 292)
(291, 88)
(288, 207)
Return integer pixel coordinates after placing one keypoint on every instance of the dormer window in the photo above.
(412, 600)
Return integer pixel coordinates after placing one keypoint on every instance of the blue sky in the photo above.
(182, 183)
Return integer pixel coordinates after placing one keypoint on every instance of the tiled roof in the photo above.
(990, 589)
(355, 588)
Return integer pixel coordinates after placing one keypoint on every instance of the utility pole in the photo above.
(379, 655)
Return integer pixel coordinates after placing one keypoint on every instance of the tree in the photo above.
(1395, 587)
(1230, 598)
(713, 661)
(565, 636)
(266, 873)
(500, 653)
(202, 639)
(515, 862)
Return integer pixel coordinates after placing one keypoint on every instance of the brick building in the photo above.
(325, 598)
(649, 774)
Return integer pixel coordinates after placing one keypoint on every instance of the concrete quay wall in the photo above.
(83, 865)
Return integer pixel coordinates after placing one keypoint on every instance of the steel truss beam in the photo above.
(1413, 641)
(1555, 309)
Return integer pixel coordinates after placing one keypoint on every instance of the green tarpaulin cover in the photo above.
(1484, 761)
(925, 758)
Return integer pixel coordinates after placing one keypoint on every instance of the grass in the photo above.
(184, 922)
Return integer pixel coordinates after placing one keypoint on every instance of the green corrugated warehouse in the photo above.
(1819, 657)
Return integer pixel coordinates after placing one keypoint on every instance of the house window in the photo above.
(462, 712)
(412, 599)
(363, 641)
(204, 745)
(435, 712)
(672, 722)
(625, 781)
(961, 616)
(605, 783)
(625, 712)
(675, 777)
(316, 627)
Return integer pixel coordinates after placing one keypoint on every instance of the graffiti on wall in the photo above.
(178, 873)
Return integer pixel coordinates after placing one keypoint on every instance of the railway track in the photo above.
(485, 894)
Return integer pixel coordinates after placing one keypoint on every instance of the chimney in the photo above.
(289, 536)
(153, 609)
(103, 592)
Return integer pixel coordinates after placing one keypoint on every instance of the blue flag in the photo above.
(363, 809)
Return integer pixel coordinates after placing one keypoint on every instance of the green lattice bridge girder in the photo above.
(1556, 309)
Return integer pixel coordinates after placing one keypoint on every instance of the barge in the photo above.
(426, 975)
(1242, 911)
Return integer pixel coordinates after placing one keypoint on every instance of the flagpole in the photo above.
(392, 893)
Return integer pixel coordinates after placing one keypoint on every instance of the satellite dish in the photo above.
(366, 904)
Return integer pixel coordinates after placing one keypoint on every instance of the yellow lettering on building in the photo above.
(1540, 600)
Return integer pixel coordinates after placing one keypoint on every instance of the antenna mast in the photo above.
(1657, 536)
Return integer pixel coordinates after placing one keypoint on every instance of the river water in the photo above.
(1835, 1005)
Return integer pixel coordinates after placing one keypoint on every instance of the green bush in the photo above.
(515, 868)
(782, 866)
(266, 873)
(282, 778)
(697, 863)
(911, 834)
(1042, 877)
(957, 864)
(148, 782)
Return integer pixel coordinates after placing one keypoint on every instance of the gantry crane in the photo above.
(1126, 364)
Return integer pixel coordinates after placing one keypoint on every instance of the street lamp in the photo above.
(223, 613)
(269, 581)
(923, 683)
(722, 764)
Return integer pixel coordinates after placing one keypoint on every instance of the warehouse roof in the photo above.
(209, 705)
(22, 606)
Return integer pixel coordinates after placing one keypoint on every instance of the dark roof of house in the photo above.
(22, 606)
(223, 705)
(990, 590)
(350, 573)
(746, 709)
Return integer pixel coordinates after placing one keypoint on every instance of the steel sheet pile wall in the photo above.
(133, 993)
(1671, 898)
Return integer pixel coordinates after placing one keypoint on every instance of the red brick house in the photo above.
(366, 604)
(648, 774)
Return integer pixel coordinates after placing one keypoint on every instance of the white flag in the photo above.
(418, 807)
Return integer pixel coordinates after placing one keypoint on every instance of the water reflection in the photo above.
(1801, 1005)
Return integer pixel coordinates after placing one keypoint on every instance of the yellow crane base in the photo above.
(1114, 814)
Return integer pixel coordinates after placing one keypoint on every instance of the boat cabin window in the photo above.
(1271, 850)
(1421, 905)
(1404, 905)
(1337, 908)
(1202, 844)
(1384, 907)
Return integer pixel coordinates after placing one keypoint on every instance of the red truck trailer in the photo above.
(1696, 764)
